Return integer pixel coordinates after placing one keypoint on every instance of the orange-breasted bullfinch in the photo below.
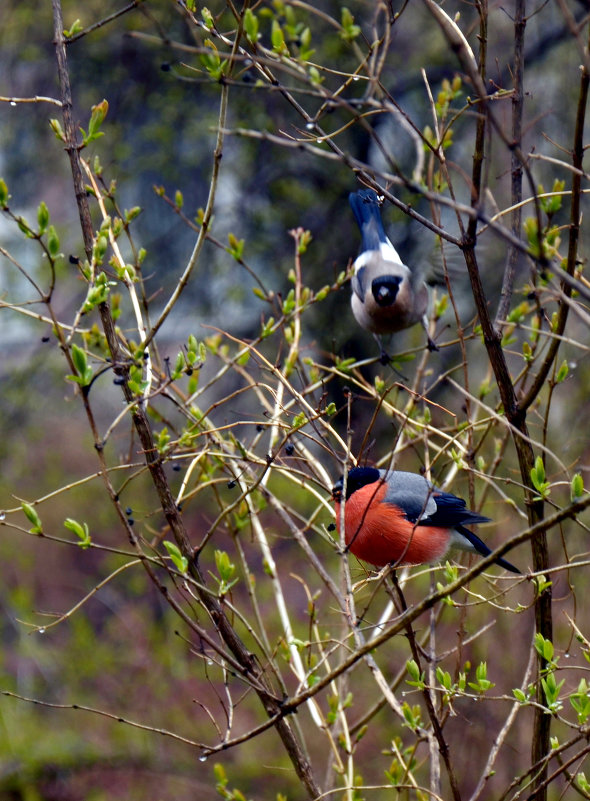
(402, 519)
(387, 296)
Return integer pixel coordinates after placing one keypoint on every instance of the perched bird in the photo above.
(387, 296)
(401, 518)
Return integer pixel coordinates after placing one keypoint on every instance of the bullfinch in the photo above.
(386, 295)
(402, 519)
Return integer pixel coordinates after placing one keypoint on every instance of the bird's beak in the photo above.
(337, 491)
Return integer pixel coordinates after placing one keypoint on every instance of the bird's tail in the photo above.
(483, 549)
(367, 212)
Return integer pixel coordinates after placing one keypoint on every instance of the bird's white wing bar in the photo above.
(373, 258)
(389, 253)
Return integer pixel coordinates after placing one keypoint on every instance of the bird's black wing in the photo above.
(358, 283)
(451, 512)
(483, 549)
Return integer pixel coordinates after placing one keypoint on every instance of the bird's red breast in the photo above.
(380, 534)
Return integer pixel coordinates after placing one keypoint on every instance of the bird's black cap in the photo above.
(357, 477)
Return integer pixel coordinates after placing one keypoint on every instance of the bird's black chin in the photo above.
(385, 289)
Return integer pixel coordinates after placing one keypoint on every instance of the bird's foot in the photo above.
(432, 346)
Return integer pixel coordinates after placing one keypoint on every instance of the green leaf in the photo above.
(76, 527)
(162, 440)
(544, 647)
(541, 583)
(518, 314)
(192, 343)
(220, 775)
(527, 351)
(190, 358)
(483, 683)
(117, 226)
(207, 17)
(304, 42)
(132, 213)
(236, 247)
(175, 554)
(444, 678)
(300, 420)
(411, 715)
(551, 205)
(562, 372)
(267, 327)
(531, 230)
(100, 248)
(212, 62)
(380, 385)
(226, 570)
(53, 242)
(43, 217)
(315, 77)
(441, 306)
(79, 359)
(97, 116)
(416, 677)
(293, 356)
(80, 530)
(344, 364)
(552, 689)
(259, 293)
(251, 25)
(289, 302)
(83, 370)
(4, 196)
(277, 38)
(33, 518)
(98, 293)
(577, 487)
(57, 130)
(304, 242)
(580, 701)
(76, 28)
(349, 31)
(538, 478)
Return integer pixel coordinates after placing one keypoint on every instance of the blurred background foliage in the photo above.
(125, 651)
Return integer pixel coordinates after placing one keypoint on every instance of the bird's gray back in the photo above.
(411, 492)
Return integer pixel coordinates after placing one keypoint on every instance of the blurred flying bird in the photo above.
(387, 296)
